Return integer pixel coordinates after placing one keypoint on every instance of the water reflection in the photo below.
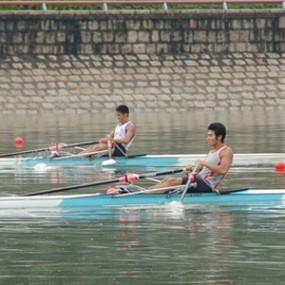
(140, 246)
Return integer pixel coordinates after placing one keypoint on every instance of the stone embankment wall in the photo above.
(76, 62)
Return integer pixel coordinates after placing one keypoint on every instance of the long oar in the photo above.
(191, 179)
(55, 147)
(123, 179)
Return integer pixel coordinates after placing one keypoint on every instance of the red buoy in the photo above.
(18, 142)
(279, 167)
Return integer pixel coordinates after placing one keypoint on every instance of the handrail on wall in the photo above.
(164, 3)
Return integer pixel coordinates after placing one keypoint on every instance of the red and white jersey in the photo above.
(213, 178)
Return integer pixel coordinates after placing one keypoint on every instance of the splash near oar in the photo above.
(123, 179)
(52, 148)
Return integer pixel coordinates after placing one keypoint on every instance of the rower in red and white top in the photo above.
(211, 171)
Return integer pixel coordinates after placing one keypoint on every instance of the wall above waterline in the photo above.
(83, 61)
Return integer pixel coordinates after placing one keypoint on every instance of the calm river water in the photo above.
(162, 245)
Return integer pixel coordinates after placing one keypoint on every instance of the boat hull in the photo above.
(236, 197)
(253, 159)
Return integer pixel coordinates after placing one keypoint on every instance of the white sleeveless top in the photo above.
(120, 133)
(213, 178)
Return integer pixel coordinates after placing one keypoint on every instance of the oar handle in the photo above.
(191, 178)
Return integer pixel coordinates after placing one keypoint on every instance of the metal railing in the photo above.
(164, 3)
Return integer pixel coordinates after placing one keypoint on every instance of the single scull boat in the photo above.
(234, 196)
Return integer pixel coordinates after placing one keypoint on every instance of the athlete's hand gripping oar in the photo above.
(191, 179)
(123, 179)
(52, 148)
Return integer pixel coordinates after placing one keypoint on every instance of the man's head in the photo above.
(123, 109)
(219, 130)
(122, 113)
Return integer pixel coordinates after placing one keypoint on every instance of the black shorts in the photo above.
(119, 150)
(202, 185)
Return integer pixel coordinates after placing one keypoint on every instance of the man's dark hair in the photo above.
(219, 130)
(122, 109)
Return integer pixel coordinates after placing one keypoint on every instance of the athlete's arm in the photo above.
(226, 162)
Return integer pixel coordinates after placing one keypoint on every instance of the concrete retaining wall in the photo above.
(76, 62)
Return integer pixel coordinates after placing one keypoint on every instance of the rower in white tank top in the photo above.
(120, 133)
(208, 175)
